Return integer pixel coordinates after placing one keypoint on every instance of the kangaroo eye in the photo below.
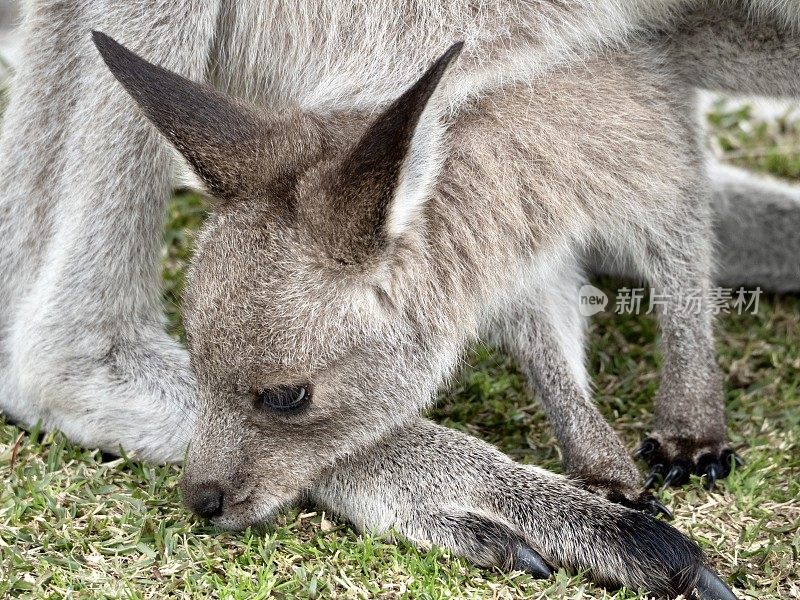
(288, 399)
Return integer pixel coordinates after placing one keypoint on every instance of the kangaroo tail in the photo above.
(757, 225)
(756, 222)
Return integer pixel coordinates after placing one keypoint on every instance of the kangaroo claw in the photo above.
(655, 508)
(646, 448)
(646, 503)
(712, 472)
(678, 474)
(528, 560)
(675, 460)
(711, 587)
(729, 458)
(714, 468)
(656, 472)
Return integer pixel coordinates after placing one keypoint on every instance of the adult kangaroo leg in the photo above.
(85, 179)
(32, 152)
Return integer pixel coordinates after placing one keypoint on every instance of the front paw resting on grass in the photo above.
(626, 495)
(673, 460)
(437, 486)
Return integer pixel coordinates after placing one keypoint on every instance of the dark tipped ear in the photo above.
(211, 130)
(386, 178)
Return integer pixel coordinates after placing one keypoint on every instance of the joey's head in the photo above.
(303, 347)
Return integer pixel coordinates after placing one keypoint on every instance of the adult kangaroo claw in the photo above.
(711, 587)
(528, 560)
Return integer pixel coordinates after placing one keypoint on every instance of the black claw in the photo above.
(731, 459)
(646, 503)
(657, 508)
(530, 561)
(712, 472)
(711, 587)
(676, 475)
(646, 448)
(653, 476)
(106, 457)
(675, 470)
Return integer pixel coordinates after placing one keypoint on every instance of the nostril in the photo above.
(206, 500)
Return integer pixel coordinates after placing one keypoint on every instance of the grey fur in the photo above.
(531, 148)
(465, 479)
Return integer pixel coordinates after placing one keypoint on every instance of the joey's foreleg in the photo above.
(545, 334)
(690, 433)
(435, 485)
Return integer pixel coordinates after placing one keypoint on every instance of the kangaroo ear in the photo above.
(386, 178)
(212, 131)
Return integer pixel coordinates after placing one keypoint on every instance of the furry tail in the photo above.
(757, 225)
(757, 229)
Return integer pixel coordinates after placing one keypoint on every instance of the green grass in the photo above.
(72, 526)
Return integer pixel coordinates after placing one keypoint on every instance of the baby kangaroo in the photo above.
(353, 254)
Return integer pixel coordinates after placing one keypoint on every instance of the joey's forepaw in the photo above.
(645, 502)
(672, 461)
(628, 496)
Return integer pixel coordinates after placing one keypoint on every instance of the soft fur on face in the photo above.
(265, 309)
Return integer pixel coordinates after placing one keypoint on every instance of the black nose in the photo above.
(205, 499)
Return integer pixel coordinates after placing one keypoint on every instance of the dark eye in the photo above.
(288, 399)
